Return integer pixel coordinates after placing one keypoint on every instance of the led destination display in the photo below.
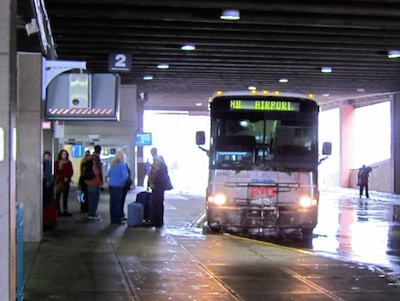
(264, 105)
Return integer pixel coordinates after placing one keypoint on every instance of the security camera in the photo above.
(31, 27)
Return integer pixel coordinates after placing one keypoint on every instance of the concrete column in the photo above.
(346, 143)
(7, 160)
(29, 143)
(396, 141)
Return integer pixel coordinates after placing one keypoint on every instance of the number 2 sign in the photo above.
(120, 61)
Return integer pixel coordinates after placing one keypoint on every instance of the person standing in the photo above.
(63, 172)
(125, 188)
(94, 183)
(363, 175)
(117, 176)
(48, 185)
(82, 185)
(158, 179)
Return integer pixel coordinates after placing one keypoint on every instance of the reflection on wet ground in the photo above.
(363, 230)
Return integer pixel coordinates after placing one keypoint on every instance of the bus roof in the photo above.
(260, 93)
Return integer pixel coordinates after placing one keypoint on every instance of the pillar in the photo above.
(29, 143)
(396, 141)
(140, 157)
(346, 143)
(8, 13)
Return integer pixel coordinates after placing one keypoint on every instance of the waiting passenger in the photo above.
(117, 176)
(159, 182)
(63, 172)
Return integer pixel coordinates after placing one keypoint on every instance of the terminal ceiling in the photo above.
(272, 40)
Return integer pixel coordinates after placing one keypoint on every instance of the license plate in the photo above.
(262, 191)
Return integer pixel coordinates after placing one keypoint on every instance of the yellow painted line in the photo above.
(270, 244)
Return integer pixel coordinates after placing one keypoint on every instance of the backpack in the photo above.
(88, 172)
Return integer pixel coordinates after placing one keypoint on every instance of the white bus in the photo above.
(263, 162)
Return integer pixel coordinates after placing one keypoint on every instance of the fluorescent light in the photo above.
(326, 69)
(198, 104)
(162, 66)
(283, 80)
(148, 77)
(230, 15)
(361, 90)
(394, 54)
(252, 88)
(188, 47)
(325, 94)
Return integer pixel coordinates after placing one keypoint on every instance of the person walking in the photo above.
(363, 175)
(94, 180)
(63, 172)
(158, 182)
(117, 176)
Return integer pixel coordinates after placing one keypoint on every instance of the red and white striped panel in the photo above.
(101, 111)
(80, 111)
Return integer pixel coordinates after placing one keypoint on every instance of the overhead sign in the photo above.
(120, 62)
(265, 105)
(141, 96)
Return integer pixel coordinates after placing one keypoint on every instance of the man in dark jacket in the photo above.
(363, 175)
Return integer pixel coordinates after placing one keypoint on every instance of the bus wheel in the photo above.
(307, 233)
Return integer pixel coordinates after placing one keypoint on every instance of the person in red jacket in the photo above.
(63, 172)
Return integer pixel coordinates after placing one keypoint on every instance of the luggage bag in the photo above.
(49, 216)
(144, 199)
(135, 214)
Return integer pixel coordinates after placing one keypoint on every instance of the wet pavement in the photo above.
(354, 255)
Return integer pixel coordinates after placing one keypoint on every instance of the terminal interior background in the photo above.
(173, 133)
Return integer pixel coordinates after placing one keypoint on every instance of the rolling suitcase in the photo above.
(135, 214)
(50, 216)
(144, 199)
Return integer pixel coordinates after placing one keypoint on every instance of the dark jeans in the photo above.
(157, 207)
(65, 194)
(48, 193)
(93, 199)
(123, 197)
(115, 204)
(362, 186)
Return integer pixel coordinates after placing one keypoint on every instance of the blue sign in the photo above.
(143, 139)
(121, 62)
(77, 150)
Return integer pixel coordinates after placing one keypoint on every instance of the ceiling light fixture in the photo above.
(230, 15)
(394, 54)
(251, 88)
(148, 77)
(188, 47)
(326, 69)
(162, 66)
(283, 80)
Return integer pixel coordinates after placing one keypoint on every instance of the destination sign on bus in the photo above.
(264, 105)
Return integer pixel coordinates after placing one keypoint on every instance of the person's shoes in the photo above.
(59, 213)
(94, 217)
(66, 213)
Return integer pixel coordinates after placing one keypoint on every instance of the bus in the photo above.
(263, 163)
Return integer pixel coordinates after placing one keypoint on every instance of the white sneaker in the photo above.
(94, 217)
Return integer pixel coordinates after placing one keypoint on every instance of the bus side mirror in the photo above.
(200, 138)
(327, 148)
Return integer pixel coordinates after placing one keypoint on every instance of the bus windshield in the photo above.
(258, 139)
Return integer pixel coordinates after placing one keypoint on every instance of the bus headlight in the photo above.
(218, 199)
(307, 202)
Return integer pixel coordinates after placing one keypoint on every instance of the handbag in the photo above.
(60, 187)
(128, 183)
